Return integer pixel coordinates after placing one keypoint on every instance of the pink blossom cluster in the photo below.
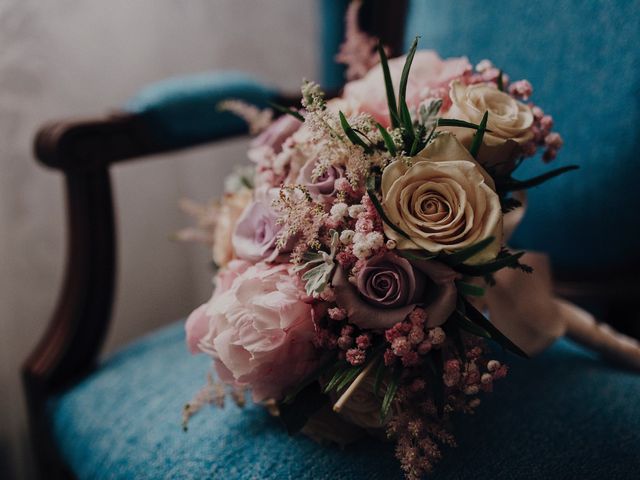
(420, 429)
(408, 340)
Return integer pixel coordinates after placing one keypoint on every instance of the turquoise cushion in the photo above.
(182, 111)
(562, 415)
(582, 58)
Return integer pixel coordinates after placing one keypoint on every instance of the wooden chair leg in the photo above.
(71, 344)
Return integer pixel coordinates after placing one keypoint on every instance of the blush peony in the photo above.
(430, 77)
(259, 329)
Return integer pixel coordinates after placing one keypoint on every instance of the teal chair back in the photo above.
(583, 60)
(580, 56)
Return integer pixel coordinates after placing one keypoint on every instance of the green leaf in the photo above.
(404, 78)
(376, 203)
(469, 289)
(411, 255)
(246, 182)
(341, 370)
(388, 84)
(428, 114)
(313, 272)
(351, 134)
(287, 110)
(499, 263)
(415, 145)
(467, 325)
(349, 377)
(500, 82)
(407, 124)
(476, 143)
(451, 122)
(468, 252)
(513, 185)
(381, 370)
(389, 395)
(316, 278)
(479, 319)
(388, 141)
(509, 204)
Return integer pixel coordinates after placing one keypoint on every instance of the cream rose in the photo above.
(444, 201)
(510, 122)
(233, 204)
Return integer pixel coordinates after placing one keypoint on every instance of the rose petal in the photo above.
(441, 308)
(359, 311)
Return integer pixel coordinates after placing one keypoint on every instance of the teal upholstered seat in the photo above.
(581, 58)
(183, 111)
(563, 415)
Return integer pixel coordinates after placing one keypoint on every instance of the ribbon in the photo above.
(523, 307)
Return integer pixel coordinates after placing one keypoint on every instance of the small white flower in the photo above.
(346, 237)
(338, 211)
(375, 240)
(355, 210)
(493, 365)
(437, 336)
(472, 390)
(361, 251)
(484, 65)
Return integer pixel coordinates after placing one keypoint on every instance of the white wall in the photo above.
(83, 57)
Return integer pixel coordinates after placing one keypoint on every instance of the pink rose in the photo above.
(276, 133)
(260, 330)
(321, 187)
(256, 233)
(429, 77)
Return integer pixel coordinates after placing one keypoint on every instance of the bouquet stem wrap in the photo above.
(523, 306)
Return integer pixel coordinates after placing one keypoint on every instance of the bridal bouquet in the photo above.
(354, 257)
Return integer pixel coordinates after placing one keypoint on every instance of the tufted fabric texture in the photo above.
(562, 415)
(182, 111)
(581, 58)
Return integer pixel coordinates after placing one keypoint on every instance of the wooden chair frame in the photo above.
(84, 150)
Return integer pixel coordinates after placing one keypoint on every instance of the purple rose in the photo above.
(389, 281)
(275, 135)
(256, 232)
(389, 287)
(322, 187)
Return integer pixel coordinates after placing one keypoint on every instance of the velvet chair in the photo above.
(565, 414)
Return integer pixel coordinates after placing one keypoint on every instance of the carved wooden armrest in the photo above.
(83, 150)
